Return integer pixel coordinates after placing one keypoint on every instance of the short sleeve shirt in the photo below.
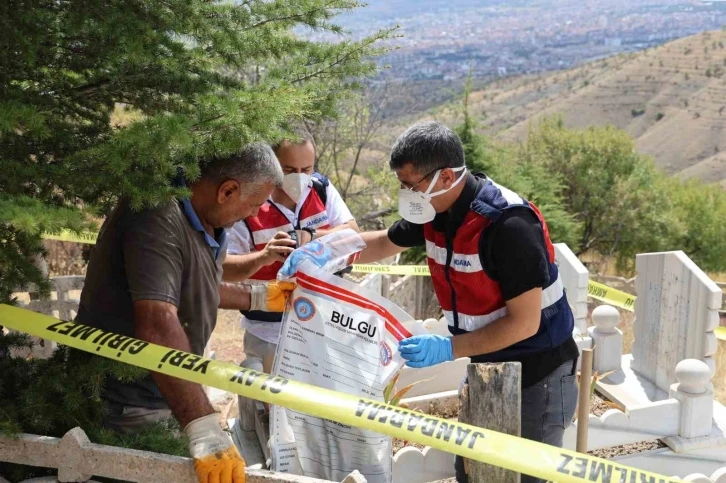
(153, 254)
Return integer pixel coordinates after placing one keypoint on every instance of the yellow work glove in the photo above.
(216, 459)
(271, 296)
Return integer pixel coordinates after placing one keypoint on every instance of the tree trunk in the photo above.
(492, 399)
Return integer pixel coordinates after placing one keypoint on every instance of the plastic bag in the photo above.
(330, 253)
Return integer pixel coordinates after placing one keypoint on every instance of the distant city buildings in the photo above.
(442, 39)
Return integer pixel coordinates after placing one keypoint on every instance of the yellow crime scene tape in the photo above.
(543, 461)
(69, 236)
(610, 295)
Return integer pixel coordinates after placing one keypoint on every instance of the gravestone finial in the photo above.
(607, 339)
(606, 318)
(693, 376)
(694, 392)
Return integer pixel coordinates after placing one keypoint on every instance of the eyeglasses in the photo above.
(403, 184)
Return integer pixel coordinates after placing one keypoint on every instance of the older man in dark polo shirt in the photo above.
(156, 275)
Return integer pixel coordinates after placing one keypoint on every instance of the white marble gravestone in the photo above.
(676, 312)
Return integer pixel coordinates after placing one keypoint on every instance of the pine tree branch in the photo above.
(298, 17)
(208, 120)
(88, 88)
(361, 49)
(63, 141)
(325, 70)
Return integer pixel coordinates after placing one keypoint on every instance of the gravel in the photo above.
(598, 406)
(627, 449)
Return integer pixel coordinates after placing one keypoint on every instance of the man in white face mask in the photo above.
(493, 271)
(306, 206)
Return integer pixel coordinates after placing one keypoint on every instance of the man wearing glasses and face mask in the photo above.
(492, 267)
(305, 207)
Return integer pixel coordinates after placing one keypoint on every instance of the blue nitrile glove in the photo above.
(314, 251)
(426, 350)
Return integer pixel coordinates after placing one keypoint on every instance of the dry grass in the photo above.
(123, 115)
(719, 379)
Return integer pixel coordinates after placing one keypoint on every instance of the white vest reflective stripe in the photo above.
(469, 323)
(460, 262)
(262, 237)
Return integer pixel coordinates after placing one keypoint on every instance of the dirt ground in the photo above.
(226, 341)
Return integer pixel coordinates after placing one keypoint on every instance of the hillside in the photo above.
(672, 99)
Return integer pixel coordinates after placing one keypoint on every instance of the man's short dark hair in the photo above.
(301, 134)
(428, 146)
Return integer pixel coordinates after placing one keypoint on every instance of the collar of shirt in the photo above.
(215, 242)
(450, 221)
(289, 213)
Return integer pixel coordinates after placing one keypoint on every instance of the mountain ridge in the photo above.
(671, 99)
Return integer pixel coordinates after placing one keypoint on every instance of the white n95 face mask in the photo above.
(294, 184)
(416, 207)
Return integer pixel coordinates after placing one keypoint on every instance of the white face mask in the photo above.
(294, 184)
(416, 207)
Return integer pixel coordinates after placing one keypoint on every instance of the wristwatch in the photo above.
(293, 236)
(311, 231)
